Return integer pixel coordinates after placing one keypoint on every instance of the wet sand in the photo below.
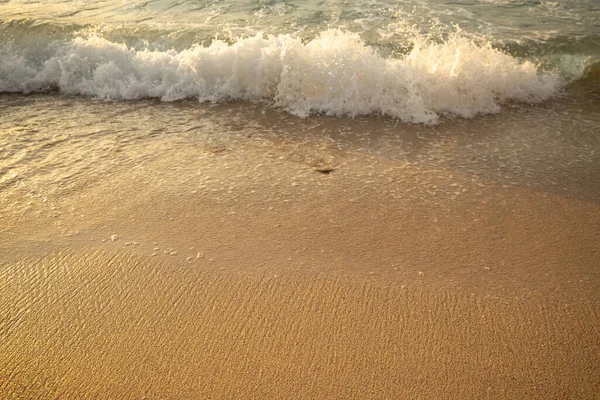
(369, 300)
(105, 325)
(245, 270)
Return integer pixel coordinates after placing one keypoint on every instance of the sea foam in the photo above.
(336, 74)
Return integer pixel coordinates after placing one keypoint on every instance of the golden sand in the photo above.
(357, 306)
(106, 325)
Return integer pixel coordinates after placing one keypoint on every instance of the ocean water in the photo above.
(416, 61)
(503, 91)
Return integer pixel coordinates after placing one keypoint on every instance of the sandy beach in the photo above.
(257, 267)
(105, 325)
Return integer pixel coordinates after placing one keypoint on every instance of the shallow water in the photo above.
(55, 143)
(354, 196)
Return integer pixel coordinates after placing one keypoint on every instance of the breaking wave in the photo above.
(336, 73)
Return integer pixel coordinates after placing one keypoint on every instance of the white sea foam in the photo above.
(335, 73)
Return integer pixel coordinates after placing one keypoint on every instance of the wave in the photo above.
(336, 73)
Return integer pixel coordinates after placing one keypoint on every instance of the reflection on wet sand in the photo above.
(202, 254)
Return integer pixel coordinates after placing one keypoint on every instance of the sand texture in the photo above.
(112, 326)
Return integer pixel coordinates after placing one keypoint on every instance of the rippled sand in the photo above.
(105, 325)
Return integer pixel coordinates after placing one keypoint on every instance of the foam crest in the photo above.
(335, 73)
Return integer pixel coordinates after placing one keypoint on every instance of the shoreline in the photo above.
(213, 259)
(406, 224)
